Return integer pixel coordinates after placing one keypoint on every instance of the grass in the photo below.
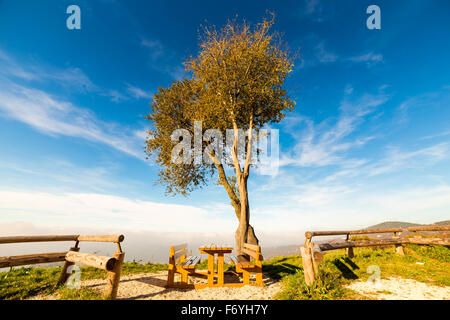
(336, 270)
(24, 282)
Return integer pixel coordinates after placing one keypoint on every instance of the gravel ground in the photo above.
(400, 289)
(150, 286)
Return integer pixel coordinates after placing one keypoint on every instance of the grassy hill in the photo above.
(335, 272)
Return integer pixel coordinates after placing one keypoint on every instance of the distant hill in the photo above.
(400, 224)
(271, 252)
(443, 223)
(393, 224)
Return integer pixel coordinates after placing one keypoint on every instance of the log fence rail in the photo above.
(113, 265)
(312, 253)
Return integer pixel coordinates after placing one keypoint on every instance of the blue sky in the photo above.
(369, 140)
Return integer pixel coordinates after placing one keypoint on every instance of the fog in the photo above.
(139, 245)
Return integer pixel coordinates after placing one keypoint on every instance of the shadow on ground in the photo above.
(347, 273)
(279, 270)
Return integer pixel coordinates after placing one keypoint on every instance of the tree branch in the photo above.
(224, 181)
(249, 146)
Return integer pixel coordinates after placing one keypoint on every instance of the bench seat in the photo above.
(179, 264)
(246, 266)
(190, 262)
(241, 262)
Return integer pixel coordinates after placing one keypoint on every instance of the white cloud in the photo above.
(397, 159)
(320, 145)
(369, 58)
(63, 175)
(311, 6)
(429, 100)
(138, 93)
(441, 134)
(162, 58)
(55, 117)
(323, 55)
(104, 210)
(321, 206)
(157, 50)
(72, 77)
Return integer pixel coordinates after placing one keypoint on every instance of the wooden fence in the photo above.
(113, 265)
(312, 253)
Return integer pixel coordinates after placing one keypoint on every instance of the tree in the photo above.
(236, 83)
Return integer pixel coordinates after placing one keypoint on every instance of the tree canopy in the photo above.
(235, 82)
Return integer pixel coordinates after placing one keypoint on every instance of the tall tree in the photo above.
(236, 83)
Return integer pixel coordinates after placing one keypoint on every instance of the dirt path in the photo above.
(400, 289)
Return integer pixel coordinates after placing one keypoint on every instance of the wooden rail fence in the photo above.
(312, 253)
(113, 265)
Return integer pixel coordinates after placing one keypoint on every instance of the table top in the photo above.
(215, 249)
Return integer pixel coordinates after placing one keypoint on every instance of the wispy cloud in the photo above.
(71, 78)
(64, 174)
(441, 134)
(437, 99)
(311, 6)
(319, 145)
(156, 48)
(138, 93)
(369, 59)
(323, 55)
(57, 117)
(398, 159)
(163, 59)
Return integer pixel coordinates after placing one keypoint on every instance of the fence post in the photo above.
(64, 275)
(350, 253)
(399, 249)
(316, 257)
(114, 276)
(308, 266)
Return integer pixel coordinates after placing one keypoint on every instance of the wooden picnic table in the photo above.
(211, 251)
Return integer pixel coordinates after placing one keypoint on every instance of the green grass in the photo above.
(336, 270)
(204, 265)
(127, 268)
(21, 283)
(24, 282)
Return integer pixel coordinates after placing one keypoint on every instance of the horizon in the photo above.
(368, 141)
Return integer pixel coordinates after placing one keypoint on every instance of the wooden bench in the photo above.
(312, 253)
(113, 265)
(349, 245)
(246, 266)
(185, 266)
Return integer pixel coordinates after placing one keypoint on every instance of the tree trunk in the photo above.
(245, 232)
(251, 236)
